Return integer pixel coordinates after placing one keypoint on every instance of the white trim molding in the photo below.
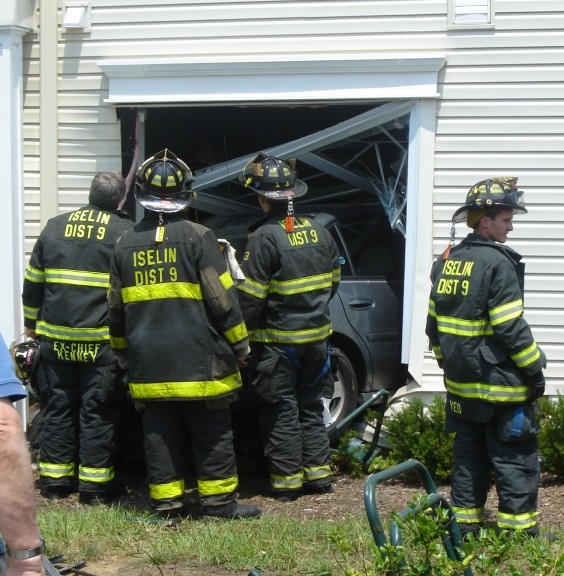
(11, 154)
(299, 79)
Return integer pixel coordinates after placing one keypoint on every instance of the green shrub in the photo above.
(418, 431)
(421, 550)
(551, 436)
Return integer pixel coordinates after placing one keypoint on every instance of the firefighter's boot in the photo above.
(232, 511)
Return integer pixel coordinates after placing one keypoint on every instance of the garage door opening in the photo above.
(345, 153)
(351, 157)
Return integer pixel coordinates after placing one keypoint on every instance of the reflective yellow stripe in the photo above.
(437, 350)
(431, 309)
(166, 491)
(291, 336)
(288, 287)
(119, 343)
(301, 285)
(459, 327)
(99, 475)
(34, 274)
(507, 312)
(528, 356)
(236, 334)
(317, 473)
(468, 515)
(77, 277)
(336, 275)
(253, 288)
(66, 333)
(217, 487)
(226, 280)
(50, 470)
(293, 482)
(194, 389)
(516, 521)
(160, 291)
(485, 391)
(31, 313)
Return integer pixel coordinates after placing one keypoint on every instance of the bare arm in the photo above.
(17, 496)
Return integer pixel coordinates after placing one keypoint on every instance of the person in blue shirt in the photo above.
(18, 522)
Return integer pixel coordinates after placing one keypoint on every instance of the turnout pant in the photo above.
(483, 448)
(81, 404)
(169, 429)
(288, 382)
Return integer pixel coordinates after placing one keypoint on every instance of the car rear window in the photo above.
(368, 247)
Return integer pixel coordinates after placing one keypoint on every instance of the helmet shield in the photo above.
(163, 183)
(492, 194)
(272, 178)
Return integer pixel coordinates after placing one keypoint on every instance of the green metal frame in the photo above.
(452, 540)
(364, 452)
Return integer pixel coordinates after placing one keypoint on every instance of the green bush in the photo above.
(551, 437)
(422, 551)
(418, 431)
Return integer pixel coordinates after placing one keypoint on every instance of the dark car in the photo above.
(366, 312)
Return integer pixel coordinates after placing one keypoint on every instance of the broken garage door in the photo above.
(362, 157)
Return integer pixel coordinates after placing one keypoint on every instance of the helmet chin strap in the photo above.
(446, 253)
(289, 223)
(159, 232)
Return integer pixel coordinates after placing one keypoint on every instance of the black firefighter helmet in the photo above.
(163, 183)
(272, 178)
(492, 194)
(26, 359)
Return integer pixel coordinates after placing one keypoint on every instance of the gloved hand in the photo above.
(543, 356)
(536, 384)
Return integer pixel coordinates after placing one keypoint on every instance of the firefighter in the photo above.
(175, 322)
(65, 308)
(493, 368)
(292, 271)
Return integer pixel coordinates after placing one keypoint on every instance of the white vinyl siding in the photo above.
(500, 112)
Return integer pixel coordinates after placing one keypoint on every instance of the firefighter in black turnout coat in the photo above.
(65, 307)
(175, 322)
(292, 271)
(491, 362)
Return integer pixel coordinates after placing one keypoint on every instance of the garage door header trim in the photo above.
(300, 79)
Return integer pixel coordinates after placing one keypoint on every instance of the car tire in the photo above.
(341, 396)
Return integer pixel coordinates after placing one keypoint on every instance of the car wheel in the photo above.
(341, 395)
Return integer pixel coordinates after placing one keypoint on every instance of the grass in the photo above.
(276, 545)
